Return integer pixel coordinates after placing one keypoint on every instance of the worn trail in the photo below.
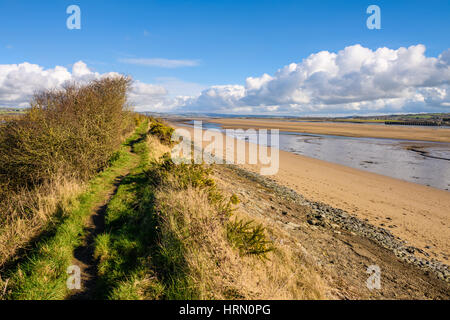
(84, 255)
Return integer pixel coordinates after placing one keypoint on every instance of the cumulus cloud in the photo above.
(437, 96)
(353, 80)
(18, 82)
(150, 97)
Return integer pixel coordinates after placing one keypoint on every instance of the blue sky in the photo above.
(225, 41)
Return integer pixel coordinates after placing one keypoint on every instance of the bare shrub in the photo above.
(72, 131)
(46, 154)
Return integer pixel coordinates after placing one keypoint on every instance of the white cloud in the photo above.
(354, 80)
(161, 62)
(219, 97)
(437, 96)
(145, 96)
(18, 82)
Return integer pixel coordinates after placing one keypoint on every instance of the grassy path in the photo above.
(42, 274)
(84, 254)
(129, 236)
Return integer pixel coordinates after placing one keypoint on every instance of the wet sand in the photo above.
(415, 213)
(341, 129)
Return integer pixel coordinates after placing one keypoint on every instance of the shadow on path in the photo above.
(84, 254)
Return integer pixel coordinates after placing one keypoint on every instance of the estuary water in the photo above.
(426, 163)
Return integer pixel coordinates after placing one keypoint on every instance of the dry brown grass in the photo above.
(30, 210)
(156, 148)
(216, 269)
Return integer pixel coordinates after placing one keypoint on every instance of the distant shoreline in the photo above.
(432, 134)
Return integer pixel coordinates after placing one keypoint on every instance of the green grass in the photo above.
(141, 254)
(133, 265)
(42, 274)
(129, 236)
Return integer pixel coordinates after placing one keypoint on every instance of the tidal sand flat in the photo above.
(342, 129)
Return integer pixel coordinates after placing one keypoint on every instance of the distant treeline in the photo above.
(12, 110)
(414, 123)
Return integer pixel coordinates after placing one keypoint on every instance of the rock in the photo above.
(410, 249)
(315, 222)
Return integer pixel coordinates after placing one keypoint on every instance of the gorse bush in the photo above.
(162, 131)
(248, 237)
(195, 175)
(73, 131)
(234, 199)
(191, 175)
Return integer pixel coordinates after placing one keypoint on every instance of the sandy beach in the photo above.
(341, 129)
(415, 213)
